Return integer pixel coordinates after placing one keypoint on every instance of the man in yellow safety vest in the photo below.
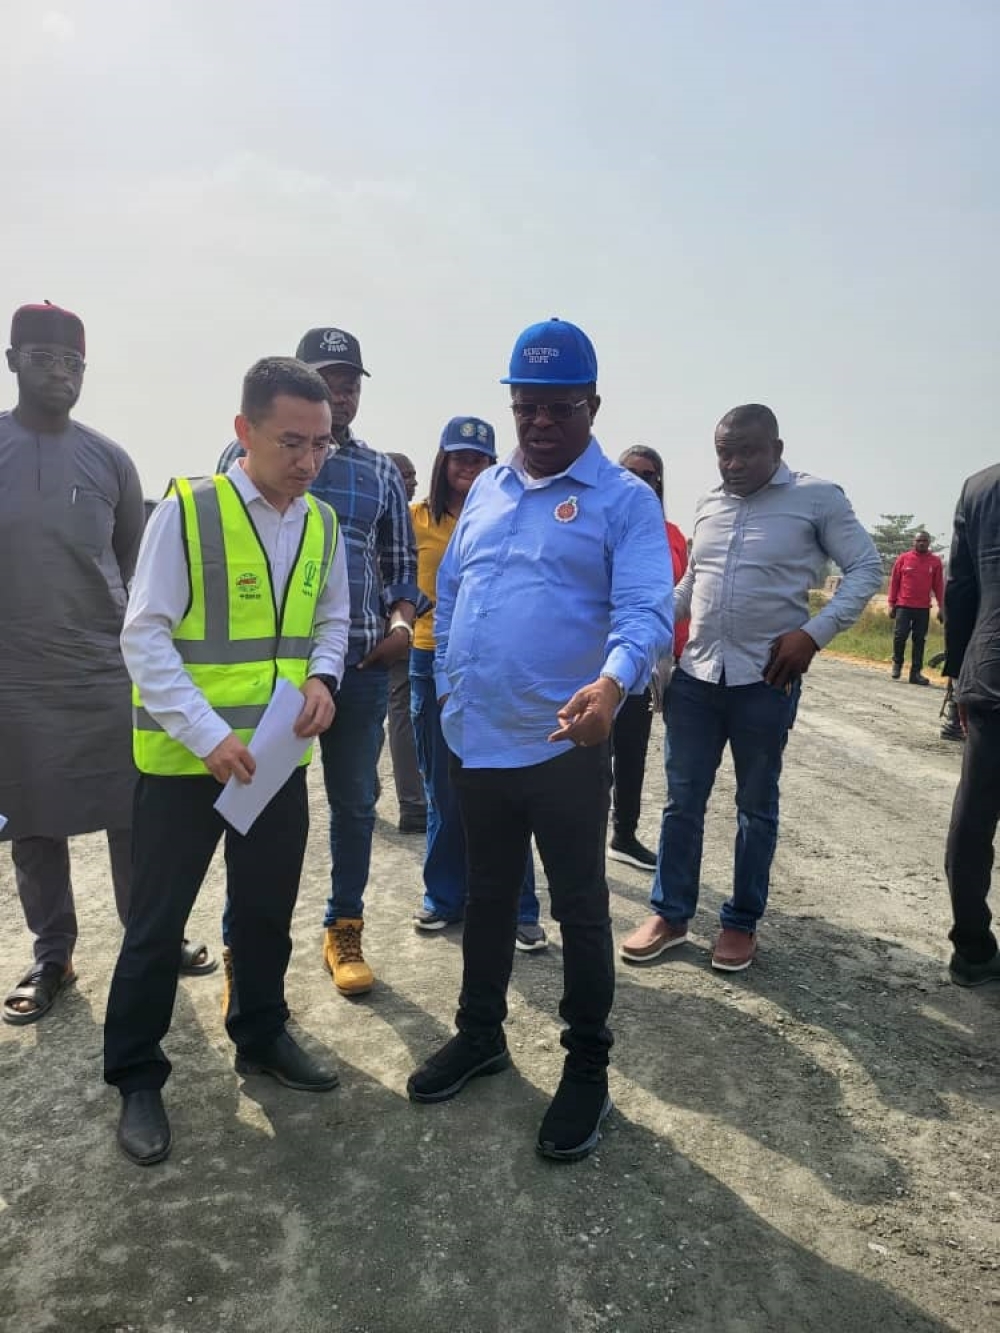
(241, 581)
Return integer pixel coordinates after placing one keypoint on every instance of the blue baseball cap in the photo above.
(555, 352)
(469, 433)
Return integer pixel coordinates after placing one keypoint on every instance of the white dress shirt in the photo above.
(753, 561)
(159, 599)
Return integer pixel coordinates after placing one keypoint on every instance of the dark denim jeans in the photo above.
(350, 750)
(700, 719)
(445, 876)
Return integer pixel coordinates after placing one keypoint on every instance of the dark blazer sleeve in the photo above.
(961, 594)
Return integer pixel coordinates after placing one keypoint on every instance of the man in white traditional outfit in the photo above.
(71, 519)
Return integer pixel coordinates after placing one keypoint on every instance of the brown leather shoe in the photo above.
(653, 937)
(734, 950)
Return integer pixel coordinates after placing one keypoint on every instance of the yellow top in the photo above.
(432, 540)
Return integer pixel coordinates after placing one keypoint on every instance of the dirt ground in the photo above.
(810, 1146)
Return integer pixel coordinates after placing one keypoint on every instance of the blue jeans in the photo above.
(350, 750)
(445, 882)
(700, 719)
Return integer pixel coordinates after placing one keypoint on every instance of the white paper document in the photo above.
(277, 751)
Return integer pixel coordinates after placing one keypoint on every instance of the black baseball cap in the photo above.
(330, 347)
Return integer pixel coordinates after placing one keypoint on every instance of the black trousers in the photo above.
(911, 620)
(629, 746)
(175, 832)
(969, 857)
(564, 804)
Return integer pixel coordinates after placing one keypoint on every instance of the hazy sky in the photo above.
(770, 201)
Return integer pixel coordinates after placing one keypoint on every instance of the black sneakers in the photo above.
(571, 1128)
(631, 851)
(964, 973)
(448, 1070)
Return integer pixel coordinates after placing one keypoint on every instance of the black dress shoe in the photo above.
(143, 1128)
(285, 1060)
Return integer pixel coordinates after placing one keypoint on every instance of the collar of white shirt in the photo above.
(238, 475)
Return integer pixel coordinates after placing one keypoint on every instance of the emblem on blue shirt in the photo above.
(567, 510)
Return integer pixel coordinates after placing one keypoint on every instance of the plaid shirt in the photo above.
(366, 491)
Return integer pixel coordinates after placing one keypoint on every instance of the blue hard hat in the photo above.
(554, 352)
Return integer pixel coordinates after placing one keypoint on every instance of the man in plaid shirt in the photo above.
(367, 493)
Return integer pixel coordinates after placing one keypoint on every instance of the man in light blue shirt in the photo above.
(553, 603)
(760, 539)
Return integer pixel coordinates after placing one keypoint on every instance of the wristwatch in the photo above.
(622, 691)
(331, 683)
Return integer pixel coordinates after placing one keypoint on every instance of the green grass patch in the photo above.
(871, 637)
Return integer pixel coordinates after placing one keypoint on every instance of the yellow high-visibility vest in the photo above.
(234, 640)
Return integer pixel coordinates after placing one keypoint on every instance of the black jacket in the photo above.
(972, 594)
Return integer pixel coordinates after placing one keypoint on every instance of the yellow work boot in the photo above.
(343, 957)
(227, 980)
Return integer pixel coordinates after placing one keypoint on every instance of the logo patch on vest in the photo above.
(309, 574)
(248, 588)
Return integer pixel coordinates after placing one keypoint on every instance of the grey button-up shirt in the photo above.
(753, 562)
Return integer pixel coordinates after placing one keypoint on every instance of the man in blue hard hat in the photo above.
(554, 600)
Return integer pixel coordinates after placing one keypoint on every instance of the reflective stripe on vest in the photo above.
(233, 638)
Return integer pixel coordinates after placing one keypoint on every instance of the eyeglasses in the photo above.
(649, 475)
(70, 361)
(558, 411)
(300, 445)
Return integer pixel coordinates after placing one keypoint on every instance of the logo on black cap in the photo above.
(330, 347)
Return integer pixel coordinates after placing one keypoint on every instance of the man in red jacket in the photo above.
(915, 575)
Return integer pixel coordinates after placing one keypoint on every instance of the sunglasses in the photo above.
(558, 411)
(70, 361)
(649, 475)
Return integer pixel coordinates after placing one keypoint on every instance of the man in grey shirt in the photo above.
(760, 539)
(71, 518)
